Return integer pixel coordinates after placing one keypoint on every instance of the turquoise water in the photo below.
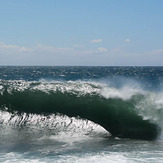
(81, 114)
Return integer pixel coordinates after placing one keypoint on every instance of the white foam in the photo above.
(124, 93)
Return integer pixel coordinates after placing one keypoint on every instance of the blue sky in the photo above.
(81, 32)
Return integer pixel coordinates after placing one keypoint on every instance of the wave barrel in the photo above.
(116, 115)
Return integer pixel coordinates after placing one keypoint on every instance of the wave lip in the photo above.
(116, 115)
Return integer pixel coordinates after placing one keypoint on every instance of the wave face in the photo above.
(124, 112)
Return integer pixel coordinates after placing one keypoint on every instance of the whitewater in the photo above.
(81, 114)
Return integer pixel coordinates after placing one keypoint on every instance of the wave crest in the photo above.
(117, 110)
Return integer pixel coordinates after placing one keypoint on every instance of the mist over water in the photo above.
(62, 114)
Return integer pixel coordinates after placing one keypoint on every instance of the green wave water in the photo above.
(115, 110)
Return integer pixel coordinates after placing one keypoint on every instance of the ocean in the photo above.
(81, 114)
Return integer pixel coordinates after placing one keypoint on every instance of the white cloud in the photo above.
(96, 41)
(118, 50)
(50, 55)
(101, 49)
(50, 49)
(6, 48)
(127, 40)
(35, 55)
(157, 52)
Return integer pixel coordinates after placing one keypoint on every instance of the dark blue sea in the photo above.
(81, 114)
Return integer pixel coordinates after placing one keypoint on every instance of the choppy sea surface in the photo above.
(81, 114)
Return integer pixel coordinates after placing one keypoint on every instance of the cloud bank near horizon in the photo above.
(55, 56)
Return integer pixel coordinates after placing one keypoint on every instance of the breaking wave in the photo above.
(125, 112)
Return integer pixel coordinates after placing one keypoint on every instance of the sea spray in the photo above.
(106, 106)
